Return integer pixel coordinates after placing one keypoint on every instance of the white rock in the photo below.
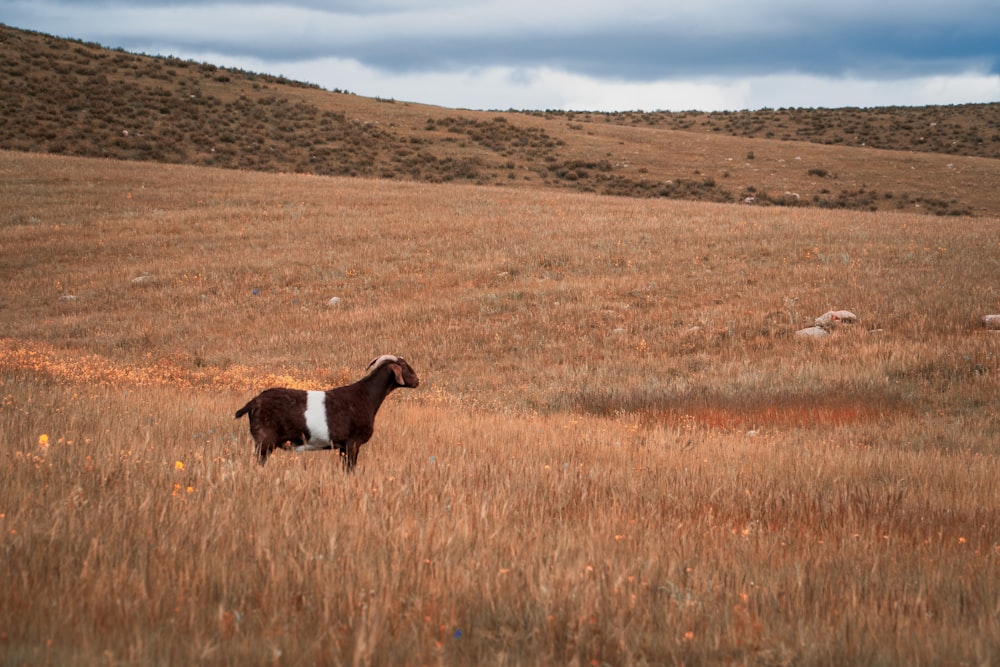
(812, 332)
(834, 317)
(991, 321)
(334, 301)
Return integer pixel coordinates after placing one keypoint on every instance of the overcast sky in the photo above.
(611, 55)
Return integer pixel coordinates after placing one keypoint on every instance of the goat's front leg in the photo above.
(352, 455)
(341, 448)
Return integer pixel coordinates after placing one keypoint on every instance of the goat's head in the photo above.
(405, 376)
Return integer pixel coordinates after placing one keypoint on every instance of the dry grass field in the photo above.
(619, 454)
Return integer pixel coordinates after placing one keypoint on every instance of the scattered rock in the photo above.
(68, 297)
(144, 278)
(826, 323)
(834, 317)
(991, 321)
(812, 332)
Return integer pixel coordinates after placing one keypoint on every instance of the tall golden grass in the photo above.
(619, 453)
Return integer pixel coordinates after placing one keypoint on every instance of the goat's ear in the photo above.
(398, 371)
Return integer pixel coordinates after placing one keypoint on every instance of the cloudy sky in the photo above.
(583, 55)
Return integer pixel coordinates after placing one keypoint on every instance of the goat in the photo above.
(309, 420)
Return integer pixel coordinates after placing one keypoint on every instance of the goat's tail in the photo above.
(244, 410)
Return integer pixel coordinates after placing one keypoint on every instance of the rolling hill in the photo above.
(73, 98)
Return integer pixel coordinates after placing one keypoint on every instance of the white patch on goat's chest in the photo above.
(319, 432)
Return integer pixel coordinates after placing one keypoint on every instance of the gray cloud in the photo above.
(629, 41)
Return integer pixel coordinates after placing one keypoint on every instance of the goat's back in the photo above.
(281, 408)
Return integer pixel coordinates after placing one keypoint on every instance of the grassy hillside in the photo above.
(71, 98)
(968, 129)
(620, 452)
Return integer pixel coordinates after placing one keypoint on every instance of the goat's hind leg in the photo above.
(265, 441)
(263, 449)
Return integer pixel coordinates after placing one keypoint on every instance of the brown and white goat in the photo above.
(341, 418)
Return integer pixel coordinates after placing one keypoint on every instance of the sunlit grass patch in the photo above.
(833, 407)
